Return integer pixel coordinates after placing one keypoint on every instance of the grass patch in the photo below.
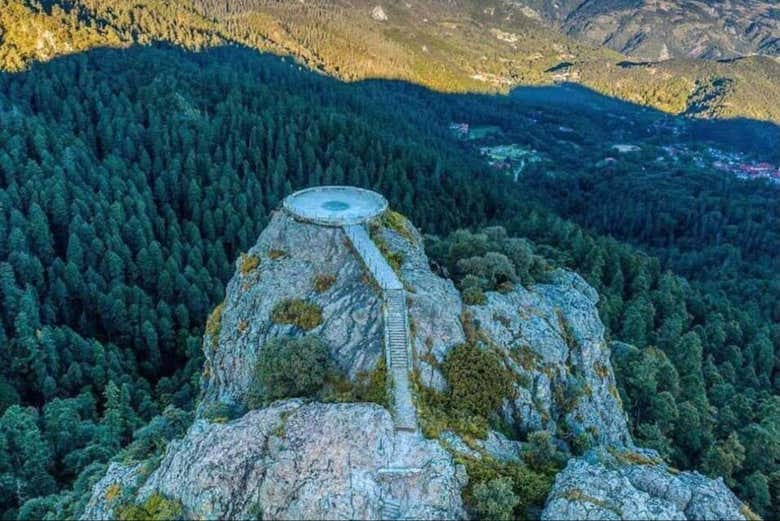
(748, 514)
(436, 416)
(394, 259)
(297, 312)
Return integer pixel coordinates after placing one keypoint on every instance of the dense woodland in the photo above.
(131, 180)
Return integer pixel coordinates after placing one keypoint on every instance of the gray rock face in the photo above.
(291, 255)
(635, 484)
(297, 460)
(110, 490)
(434, 307)
(303, 461)
(554, 342)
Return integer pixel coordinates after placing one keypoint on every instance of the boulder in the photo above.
(612, 483)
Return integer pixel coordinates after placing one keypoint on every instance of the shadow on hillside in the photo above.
(420, 104)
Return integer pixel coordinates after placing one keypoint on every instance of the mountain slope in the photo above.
(445, 45)
(663, 29)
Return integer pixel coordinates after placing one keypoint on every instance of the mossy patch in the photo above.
(323, 282)
(398, 223)
(112, 492)
(629, 457)
(214, 323)
(566, 331)
(248, 263)
(156, 508)
(243, 325)
(576, 494)
(526, 357)
(297, 312)
(601, 370)
(222, 413)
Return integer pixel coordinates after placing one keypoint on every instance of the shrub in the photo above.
(297, 312)
(369, 386)
(495, 499)
(530, 488)
(477, 379)
(323, 282)
(152, 438)
(221, 412)
(289, 367)
(540, 453)
(156, 507)
(248, 263)
(474, 296)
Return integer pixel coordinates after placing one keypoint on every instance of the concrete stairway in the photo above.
(397, 346)
(391, 509)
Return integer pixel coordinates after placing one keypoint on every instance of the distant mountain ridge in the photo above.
(664, 29)
(446, 45)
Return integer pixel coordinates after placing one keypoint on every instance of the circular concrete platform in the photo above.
(335, 205)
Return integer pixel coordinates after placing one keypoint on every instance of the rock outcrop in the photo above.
(300, 461)
(289, 256)
(610, 483)
(296, 459)
(554, 342)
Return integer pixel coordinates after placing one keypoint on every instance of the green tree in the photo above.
(289, 367)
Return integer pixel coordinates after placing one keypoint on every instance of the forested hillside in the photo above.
(130, 181)
(449, 46)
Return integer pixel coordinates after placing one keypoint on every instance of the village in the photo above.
(514, 158)
(736, 164)
(511, 158)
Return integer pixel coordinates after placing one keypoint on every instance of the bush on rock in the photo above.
(290, 367)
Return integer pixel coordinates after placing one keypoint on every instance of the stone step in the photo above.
(396, 335)
(391, 510)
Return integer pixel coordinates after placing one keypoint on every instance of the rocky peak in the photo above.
(291, 260)
(301, 459)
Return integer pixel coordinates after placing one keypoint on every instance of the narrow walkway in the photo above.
(396, 319)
